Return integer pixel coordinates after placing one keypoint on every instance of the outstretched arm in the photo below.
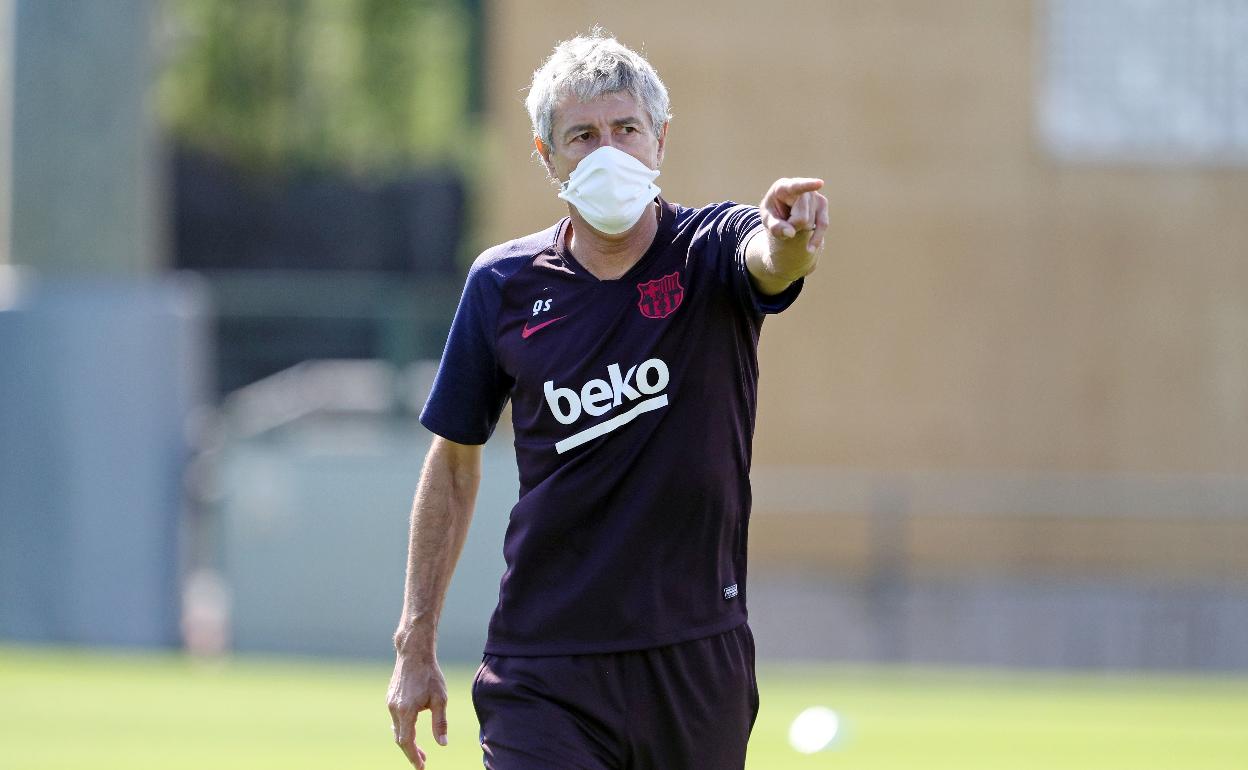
(441, 514)
(795, 216)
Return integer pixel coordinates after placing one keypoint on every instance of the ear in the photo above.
(662, 141)
(543, 152)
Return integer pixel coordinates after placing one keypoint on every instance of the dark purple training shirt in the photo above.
(633, 405)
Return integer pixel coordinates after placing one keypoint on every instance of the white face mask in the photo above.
(611, 189)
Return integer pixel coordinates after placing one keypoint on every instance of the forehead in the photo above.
(570, 111)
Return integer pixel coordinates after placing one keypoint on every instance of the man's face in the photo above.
(612, 120)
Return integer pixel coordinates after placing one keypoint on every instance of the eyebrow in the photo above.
(573, 130)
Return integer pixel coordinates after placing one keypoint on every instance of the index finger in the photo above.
(799, 185)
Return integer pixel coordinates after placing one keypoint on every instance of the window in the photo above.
(1151, 81)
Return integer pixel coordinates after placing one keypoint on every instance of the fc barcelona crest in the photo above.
(660, 297)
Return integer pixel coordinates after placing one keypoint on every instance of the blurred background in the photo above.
(1005, 426)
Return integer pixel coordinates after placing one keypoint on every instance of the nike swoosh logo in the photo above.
(526, 331)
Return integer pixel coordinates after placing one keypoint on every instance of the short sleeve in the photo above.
(735, 227)
(470, 388)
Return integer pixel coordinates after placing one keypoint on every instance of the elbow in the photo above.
(459, 465)
(466, 481)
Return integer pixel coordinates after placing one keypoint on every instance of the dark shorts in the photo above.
(687, 705)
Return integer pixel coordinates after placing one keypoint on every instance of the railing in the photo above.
(270, 320)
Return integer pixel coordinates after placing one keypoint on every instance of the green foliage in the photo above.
(372, 86)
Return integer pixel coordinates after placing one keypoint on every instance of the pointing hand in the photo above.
(794, 206)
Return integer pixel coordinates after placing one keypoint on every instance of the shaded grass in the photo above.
(105, 710)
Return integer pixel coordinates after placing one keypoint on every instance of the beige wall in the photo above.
(980, 306)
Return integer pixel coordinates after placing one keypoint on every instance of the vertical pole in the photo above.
(887, 583)
(476, 57)
(6, 124)
(84, 144)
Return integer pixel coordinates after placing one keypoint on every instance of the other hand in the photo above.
(416, 685)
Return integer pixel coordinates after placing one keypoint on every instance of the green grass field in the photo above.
(106, 711)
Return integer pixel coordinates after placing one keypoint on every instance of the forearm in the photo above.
(774, 263)
(441, 514)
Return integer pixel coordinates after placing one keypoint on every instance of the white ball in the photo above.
(814, 729)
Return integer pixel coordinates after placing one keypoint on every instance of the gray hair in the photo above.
(590, 66)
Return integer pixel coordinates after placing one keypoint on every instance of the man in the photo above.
(625, 336)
